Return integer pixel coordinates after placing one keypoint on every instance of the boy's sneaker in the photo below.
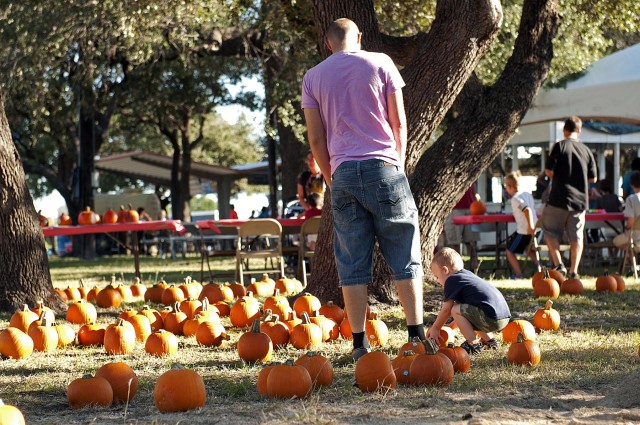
(359, 352)
(491, 344)
(561, 268)
(471, 348)
(573, 275)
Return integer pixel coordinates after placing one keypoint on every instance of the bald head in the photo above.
(343, 34)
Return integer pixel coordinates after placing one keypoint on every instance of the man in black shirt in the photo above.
(571, 168)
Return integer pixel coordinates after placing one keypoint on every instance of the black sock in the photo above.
(360, 340)
(416, 331)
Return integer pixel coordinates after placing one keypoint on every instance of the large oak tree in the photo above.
(438, 70)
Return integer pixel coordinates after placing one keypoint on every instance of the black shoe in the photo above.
(359, 352)
(573, 275)
(491, 344)
(561, 268)
(471, 348)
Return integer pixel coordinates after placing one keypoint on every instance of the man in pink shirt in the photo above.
(357, 132)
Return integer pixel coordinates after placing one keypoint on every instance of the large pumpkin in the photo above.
(179, 390)
(211, 333)
(288, 381)
(91, 334)
(161, 343)
(459, 358)
(123, 380)
(374, 372)
(89, 391)
(119, 338)
(306, 335)
(546, 287)
(244, 311)
(306, 303)
(81, 312)
(319, 368)
(431, 368)
(572, 286)
(21, 319)
(606, 282)
(15, 344)
(10, 415)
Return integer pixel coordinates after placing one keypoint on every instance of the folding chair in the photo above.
(539, 247)
(309, 227)
(259, 239)
(631, 250)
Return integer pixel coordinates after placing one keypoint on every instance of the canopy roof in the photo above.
(607, 92)
(156, 168)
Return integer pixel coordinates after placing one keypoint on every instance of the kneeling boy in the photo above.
(476, 306)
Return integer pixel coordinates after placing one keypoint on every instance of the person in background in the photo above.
(142, 216)
(310, 181)
(357, 131)
(571, 167)
(264, 213)
(455, 235)
(631, 211)
(163, 236)
(232, 212)
(316, 203)
(524, 212)
(626, 182)
(477, 307)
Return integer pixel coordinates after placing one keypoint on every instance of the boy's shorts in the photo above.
(479, 319)
(518, 243)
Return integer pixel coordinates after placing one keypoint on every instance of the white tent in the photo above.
(609, 91)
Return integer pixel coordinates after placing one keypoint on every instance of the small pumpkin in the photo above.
(15, 344)
(519, 326)
(244, 311)
(10, 415)
(64, 220)
(66, 334)
(546, 287)
(319, 367)
(22, 319)
(374, 372)
(91, 334)
(277, 303)
(572, 286)
(161, 343)
(154, 294)
(306, 303)
(306, 335)
(179, 390)
(524, 352)
(171, 295)
(477, 207)
(415, 345)
(123, 380)
(238, 289)
(174, 321)
(285, 286)
(40, 308)
(402, 365)
(459, 358)
(333, 312)
(606, 283)
(263, 287)
(327, 326)
(211, 333)
(109, 296)
(44, 336)
(263, 376)
(190, 307)
(620, 281)
(109, 217)
(554, 274)
(277, 331)
(215, 292)
(138, 288)
(376, 331)
(431, 368)
(89, 391)
(154, 316)
(190, 288)
(289, 380)
(88, 217)
(547, 318)
(141, 326)
(81, 312)
(191, 325)
(119, 338)
(255, 346)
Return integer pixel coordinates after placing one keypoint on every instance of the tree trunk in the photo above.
(24, 268)
(436, 70)
(185, 174)
(87, 243)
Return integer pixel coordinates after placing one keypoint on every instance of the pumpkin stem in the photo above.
(548, 304)
(520, 337)
(255, 326)
(176, 307)
(305, 318)
(408, 353)
(177, 366)
(289, 362)
(431, 346)
(25, 308)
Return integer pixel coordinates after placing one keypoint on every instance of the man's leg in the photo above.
(576, 254)
(355, 302)
(410, 294)
(554, 249)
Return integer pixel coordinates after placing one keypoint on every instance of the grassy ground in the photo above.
(587, 373)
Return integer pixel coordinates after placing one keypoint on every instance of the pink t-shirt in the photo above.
(351, 89)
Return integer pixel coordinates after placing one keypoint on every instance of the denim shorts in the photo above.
(372, 200)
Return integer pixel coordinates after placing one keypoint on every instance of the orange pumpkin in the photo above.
(21, 319)
(89, 391)
(333, 312)
(306, 335)
(15, 344)
(402, 364)
(244, 311)
(81, 312)
(109, 217)
(123, 380)
(179, 390)
(477, 207)
(119, 338)
(515, 327)
(374, 372)
(87, 217)
(306, 303)
(64, 220)
(91, 334)
(431, 368)
(459, 358)
(255, 346)
(547, 318)
(211, 333)
(161, 343)
(289, 380)
(10, 414)
(606, 283)
(572, 286)
(524, 352)
(275, 329)
(319, 368)
(546, 287)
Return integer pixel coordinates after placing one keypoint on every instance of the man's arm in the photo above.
(318, 141)
(398, 123)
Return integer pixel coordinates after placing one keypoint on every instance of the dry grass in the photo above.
(581, 378)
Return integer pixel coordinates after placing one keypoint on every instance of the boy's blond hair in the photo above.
(513, 178)
(450, 258)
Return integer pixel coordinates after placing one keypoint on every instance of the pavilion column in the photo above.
(224, 196)
(515, 166)
(601, 163)
(617, 184)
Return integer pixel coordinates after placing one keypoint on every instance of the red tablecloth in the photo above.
(173, 225)
(508, 218)
(231, 222)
